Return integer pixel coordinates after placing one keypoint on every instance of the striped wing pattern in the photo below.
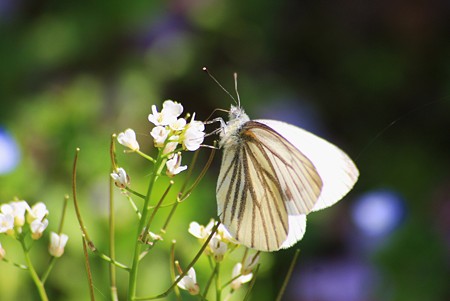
(262, 180)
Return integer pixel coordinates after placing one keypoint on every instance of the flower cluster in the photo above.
(169, 132)
(220, 243)
(18, 219)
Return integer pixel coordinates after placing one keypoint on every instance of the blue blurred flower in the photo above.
(9, 152)
(378, 213)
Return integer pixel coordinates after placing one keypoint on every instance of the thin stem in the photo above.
(63, 214)
(200, 176)
(112, 152)
(18, 265)
(88, 270)
(157, 168)
(245, 256)
(112, 250)
(169, 217)
(252, 283)
(85, 235)
(208, 284)
(155, 209)
(231, 280)
(172, 269)
(110, 260)
(218, 287)
(75, 202)
(288, 275)
(197, 256)
(146, 156)
(33, 274)
(135, 193)
(135, 208)
(182, 195)
(48, 270)
(61, 223)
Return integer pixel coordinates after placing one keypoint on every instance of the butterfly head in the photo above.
(237, 114)
(230, 130)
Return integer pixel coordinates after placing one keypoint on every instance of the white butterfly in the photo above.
(272, 175)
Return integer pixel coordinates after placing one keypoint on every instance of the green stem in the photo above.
(288, 275)
(157, 168)
(88, 270)
(208, 284)
(218, 286)
(147, 156)
(17, 265)
(135, 193)
(155, 209)
(112, 250)
(252, 283)
(61, 223)
(33, 274)
(133, 205)
(197, 256)
(48, 270)
(172, 270)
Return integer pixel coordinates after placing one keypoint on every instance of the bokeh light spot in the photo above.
(378, 213)
(9, 152)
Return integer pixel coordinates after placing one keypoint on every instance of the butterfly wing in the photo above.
(337, 171)
(263, 179)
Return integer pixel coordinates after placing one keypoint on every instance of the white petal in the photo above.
(172, 108)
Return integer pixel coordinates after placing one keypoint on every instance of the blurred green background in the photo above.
(372, 77)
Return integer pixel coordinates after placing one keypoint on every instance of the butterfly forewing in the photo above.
(337, 171)
(300, 183)
(262, 180)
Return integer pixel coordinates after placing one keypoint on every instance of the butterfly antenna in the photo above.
(217, 82)
(236, 89)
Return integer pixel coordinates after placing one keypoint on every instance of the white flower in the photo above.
(172, 108)
(19, 212)
(171, 146)
(165, 117)
(154, 236)
(250, 262)
(6, 209)
(37, 212)
(218, 248)
(16, 209)
(225, 236)
(37, 227)
(174, 165)
(236, 283)
(198, 230)
(178, 125)
(194, 135)
(57, 244)
(201, 231)
(128, 139)
(159, 134)
(120, 177)
(2, 252)
(6, 223)
(189, 282)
